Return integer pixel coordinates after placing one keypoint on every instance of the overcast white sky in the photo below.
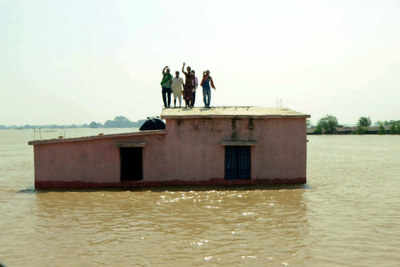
(77, 61)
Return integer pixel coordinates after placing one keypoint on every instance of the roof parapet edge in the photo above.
(95, 137)
(234, 116)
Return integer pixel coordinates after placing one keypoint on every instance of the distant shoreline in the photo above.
(372, 130)
(63, 127)
(117, 122)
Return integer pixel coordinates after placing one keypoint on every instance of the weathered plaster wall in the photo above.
(195, 150)
(93, 161)
(190, 152)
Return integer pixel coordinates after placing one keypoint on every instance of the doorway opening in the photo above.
(237, 162)
(131, 163)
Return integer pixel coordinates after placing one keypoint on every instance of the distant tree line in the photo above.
(117, 122)
(330, 125)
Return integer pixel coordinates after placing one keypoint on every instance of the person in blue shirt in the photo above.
(205, 83)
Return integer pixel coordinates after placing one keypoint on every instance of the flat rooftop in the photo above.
(230, 112)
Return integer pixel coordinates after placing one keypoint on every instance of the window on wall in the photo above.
(237, 162)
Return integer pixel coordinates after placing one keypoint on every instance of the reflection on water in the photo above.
(227, 226)
(346, 216)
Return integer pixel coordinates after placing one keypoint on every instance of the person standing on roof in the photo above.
(195, 85)
(189, 85)
(177, 88)
(166, 86)
(205, 83)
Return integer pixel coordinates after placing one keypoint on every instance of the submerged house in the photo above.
(214, 146)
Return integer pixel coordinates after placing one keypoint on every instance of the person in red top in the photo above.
(195, 85)
(189, 85)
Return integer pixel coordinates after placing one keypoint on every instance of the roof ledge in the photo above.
(97, 137)
(230, 112)
(238, 142)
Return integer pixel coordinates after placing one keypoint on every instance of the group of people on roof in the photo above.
(178, 87)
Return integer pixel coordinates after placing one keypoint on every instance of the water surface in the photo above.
(347, 215)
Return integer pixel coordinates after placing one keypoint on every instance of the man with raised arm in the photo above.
(189, 85)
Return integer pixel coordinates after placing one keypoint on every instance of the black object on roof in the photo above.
(152, 124)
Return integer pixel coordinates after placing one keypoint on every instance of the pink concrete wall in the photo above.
(93, 161)
(195, 150)
(190, 152)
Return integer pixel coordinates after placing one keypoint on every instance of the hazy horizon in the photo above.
(73, 62)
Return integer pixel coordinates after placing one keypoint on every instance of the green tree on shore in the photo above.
(381, 129)
(395, 128)
(363, 124)
(327, 125)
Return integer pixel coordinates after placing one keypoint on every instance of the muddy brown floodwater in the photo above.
(347, 215)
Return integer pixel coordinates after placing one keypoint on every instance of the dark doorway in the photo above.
(237, 162)
(131, 163)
